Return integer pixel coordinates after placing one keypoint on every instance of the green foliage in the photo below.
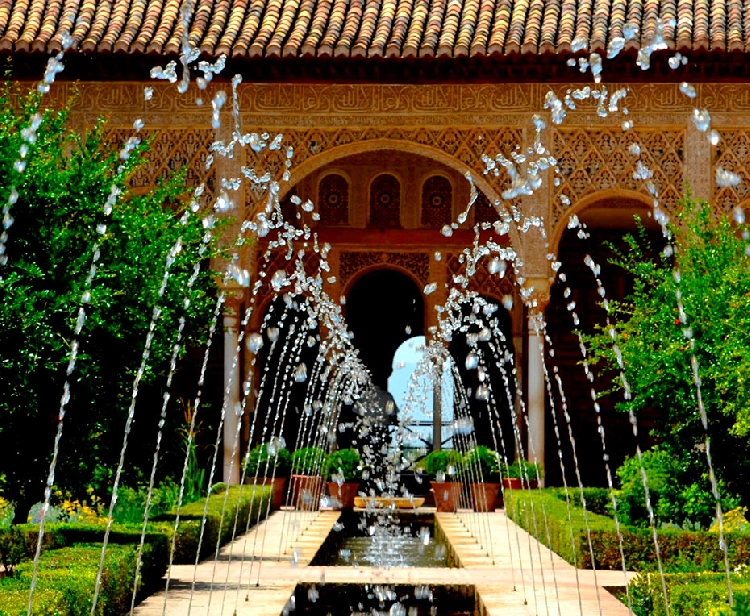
(66, 582)
(58, 218)
(690, 594)
(482, 462)
(246, 504)
(598, 500)
(131, 502)
(539, 511)
(443, 461)
(521, 469)
(262, 463)
(656, 346)
(346, 462)
(12, 548)
(673, 500)
(308, 461)
(7, 511)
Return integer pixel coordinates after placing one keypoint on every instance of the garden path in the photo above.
(266, 582)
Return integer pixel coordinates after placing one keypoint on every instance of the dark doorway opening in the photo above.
(384, 308)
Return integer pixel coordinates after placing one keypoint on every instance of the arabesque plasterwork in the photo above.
(460, 122)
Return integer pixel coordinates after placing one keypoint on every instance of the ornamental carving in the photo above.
(466, 145)
(353, 262)
(317, 104)
(595, 160)
(437, 201)
(269, 264)
(733, 154)
(170, 151)
(385, 202)
(481, 280)
(333, 200)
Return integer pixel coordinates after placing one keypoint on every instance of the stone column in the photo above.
(437, 409)
(536, 387)
(232, 389)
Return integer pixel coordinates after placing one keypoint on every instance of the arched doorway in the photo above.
(383, 309)
(608, 221)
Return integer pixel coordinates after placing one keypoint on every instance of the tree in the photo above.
(58, 218)
(657, 344)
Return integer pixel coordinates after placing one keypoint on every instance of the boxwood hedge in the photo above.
(71, 552)
(680, 550)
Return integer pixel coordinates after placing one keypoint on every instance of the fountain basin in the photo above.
(385, 539)
(367, 599)
(380, 502)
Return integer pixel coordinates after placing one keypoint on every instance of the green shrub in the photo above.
(66, 580)
(308, 461)
(598, 500)
(12, 548)
(131, 502)
(661, 470)
(442, 461)
(264, 463)
(244, 503)
(483, 462)
(690, 594)
(521, 469)
(680, 550)
(675, 497)
(344, 461)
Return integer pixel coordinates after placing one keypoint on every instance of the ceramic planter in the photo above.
(278, 488)
(342, 496)
(447, 495)
(306, 490)
(484, 496)
(516, 483)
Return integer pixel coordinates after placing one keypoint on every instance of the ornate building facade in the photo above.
(388, 105)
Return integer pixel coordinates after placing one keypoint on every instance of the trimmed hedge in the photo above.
(245, 502)
(690, 594)
(70, 558)
(680, 550)
(66, 581)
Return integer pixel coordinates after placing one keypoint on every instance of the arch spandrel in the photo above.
(614, 198)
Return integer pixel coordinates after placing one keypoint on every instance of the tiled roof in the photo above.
(367, 28)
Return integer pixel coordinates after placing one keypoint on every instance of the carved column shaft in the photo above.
(232, 388)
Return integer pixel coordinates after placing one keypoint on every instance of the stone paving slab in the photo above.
(497, 549)
(512, 573)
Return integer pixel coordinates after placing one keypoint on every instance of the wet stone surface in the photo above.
(385, 600)
(383, 539)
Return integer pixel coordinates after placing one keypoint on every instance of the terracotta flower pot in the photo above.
(447, 495)
(342, 496)
(306, 490)
(278, 488)
(484, 496)
(516, 483)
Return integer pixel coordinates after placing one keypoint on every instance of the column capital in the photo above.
(536, 293)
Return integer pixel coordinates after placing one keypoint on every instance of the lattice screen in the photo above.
(591, 161)
(733, 154)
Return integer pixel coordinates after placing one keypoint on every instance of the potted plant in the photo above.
(443, 467)
(307, 482)
(522, 473)
(269, 466)
(482, 466)
(344, 470)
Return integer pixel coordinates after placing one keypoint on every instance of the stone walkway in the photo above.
(256, 574)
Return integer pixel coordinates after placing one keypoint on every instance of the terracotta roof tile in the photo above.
(503, 10)
(369, 28)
